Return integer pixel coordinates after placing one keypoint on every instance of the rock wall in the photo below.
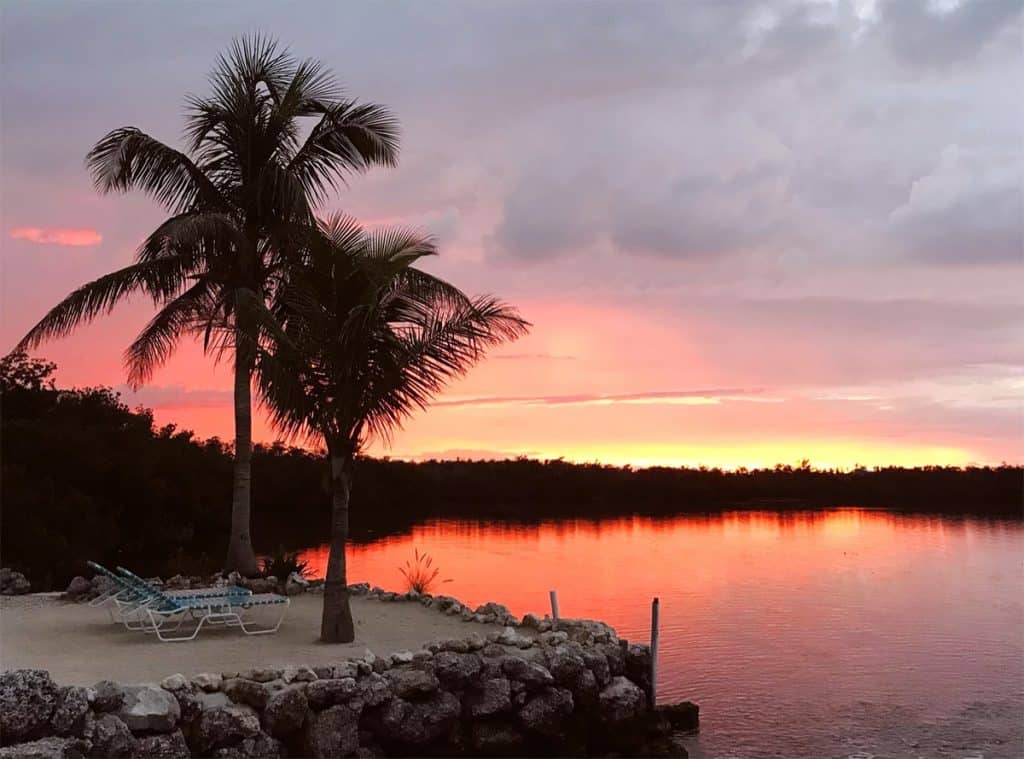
(538, 687)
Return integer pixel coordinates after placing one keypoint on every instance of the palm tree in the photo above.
(360, 340)
(247, 180)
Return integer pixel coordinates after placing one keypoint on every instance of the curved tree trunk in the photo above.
(336, 625)
(241, 557)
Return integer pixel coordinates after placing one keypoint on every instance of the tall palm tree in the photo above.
(247, 180)
(360, 340)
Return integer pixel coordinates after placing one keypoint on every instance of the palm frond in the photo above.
(368, 338)
(349, 138)
(101, 295)
(127, 158)
(157, 341)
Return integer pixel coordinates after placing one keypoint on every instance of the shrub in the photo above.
(420, 575)
(281, 564)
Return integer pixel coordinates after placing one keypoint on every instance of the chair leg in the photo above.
(158, 627)
(267, 631)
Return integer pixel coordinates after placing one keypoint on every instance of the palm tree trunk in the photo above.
(241, 558)
(336, 624)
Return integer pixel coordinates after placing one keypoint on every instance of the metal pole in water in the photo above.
(554, 603)
(655, 605)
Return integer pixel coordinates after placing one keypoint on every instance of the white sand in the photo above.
(79, 645)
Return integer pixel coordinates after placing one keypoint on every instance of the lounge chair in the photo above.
(168, 614)
(129, 594)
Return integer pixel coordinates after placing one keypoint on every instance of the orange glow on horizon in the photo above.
(823, 454)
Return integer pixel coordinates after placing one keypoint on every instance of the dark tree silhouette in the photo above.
(364, 340)
(246, 182)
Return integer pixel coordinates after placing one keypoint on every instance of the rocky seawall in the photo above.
(538, 687)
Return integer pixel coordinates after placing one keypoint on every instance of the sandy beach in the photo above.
(79, 645)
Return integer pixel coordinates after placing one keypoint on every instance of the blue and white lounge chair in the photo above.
(168, 614)
(129, 594)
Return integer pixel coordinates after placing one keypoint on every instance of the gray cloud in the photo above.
(921, 35)
(968, 209)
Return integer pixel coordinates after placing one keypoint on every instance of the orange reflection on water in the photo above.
(824, 616)
(597, 567)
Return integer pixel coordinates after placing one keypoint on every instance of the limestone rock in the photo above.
(174, 682)
(487, 698)
(615, 657)
(638, 665)
(285, 712)
(78, 588)
(493, 608)
(496, 738)
(412, 684)
(566, 663)
(100, 585)
(72, 706)
(261, 675)
(222, 726)
(545, 712)
(401, 657)
(248, 692)
(148, 708)
(28, 698)
(415, 725)
(534, 676)
(298, 675)
(46, 748)
(324, 693)
(585, 690)
(111, 737)
(334, 732)
(345, 669)
(532, 621)
(191, 703)
(162, 746)
(109, 696)
(682, 716)
(598, 664)
(621, 701)
(213, 700)
(207, 681)
(454, 670)
(553, 638)
(374, 689)
(585, 631)
(260, 746)
(455, 645)
(13, 583)
(510, 637)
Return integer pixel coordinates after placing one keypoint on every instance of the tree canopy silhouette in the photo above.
(362, 339)
(236, 196)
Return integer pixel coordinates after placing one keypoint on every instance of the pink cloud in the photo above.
(75, 238)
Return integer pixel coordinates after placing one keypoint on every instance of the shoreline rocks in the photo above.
(536, 687)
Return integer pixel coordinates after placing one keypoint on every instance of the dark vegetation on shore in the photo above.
(84, 476)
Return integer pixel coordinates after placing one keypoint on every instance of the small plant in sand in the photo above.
(420, 574)
(282, 564)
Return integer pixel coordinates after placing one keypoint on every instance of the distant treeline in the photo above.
(84, 476)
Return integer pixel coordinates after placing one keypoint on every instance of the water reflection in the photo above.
(783, 623)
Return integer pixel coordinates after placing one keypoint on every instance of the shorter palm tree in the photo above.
(358, 340)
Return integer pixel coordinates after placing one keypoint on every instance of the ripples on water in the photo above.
(837, 633)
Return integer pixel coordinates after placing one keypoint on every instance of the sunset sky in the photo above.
(745, 232)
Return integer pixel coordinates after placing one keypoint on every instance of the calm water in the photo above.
(845, 633)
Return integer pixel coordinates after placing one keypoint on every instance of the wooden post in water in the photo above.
(554, 603)
(653, 696)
